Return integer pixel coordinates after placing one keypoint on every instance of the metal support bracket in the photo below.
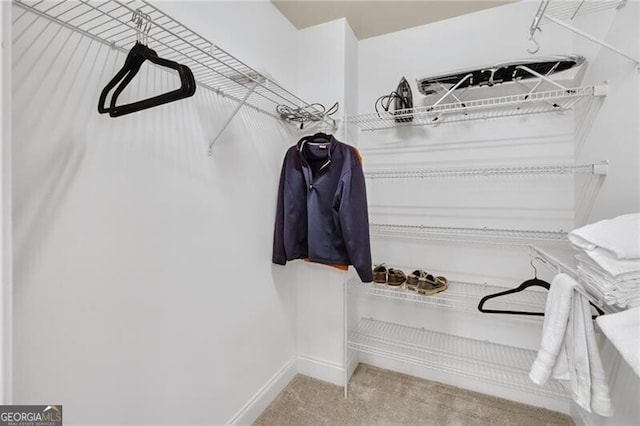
(233, 114)
(592, 38)
(541, 14)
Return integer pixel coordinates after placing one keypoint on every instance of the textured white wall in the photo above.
(144, 290)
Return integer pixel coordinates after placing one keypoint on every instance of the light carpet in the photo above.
(382, 397)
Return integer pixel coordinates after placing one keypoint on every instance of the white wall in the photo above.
(322, 56)
(5, 206)
(144, 289)
(609, 129)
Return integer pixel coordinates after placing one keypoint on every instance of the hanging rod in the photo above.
(108, 22)
(560, 11)
(508, 237)
(552, 169)
(555, 265)
(481, 109)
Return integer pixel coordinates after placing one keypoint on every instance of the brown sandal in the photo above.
(414, 278)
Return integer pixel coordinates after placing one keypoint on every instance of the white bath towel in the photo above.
(613, 266)
(619, 237)
(585, 260)
(623, 330)
(568, 351)
(556, 318)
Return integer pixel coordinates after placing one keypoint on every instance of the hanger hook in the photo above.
(537, 45)
(535, 271)
(136, 19)
(147, 27)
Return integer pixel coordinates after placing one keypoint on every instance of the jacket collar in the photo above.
(331, 146)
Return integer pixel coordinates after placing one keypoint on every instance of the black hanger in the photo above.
(129, 69)
(319, 138)
(138, 54)
(534, 282)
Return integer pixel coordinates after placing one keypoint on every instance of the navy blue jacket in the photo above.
(322, 208)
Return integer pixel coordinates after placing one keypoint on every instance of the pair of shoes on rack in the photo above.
(388, 276)
(426, 284)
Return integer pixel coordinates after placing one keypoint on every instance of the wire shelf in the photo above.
(557, 266)
(509, 237)
(489, 362)
(562, 13)
(552, 169)
(504, 106)
(567, 10)
(109, 22)
(461, 296)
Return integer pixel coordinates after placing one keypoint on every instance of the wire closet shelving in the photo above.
(551, 169)
(488, 362)
(558, 266)
(109, 22)
(561, 11)
(505, 106)
(460, 296)
(493, 236)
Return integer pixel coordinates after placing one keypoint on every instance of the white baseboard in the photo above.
(354, 360)
(321, 369)
(261, 400)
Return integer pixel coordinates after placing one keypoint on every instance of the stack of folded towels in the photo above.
(609, 262)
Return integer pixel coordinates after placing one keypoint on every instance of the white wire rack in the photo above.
(570, 9)
(556, 265)
(508, 237)
(461, 296)
(109, 22)
(552, 169)
(504, 106)
(489, 362)
(559, 12)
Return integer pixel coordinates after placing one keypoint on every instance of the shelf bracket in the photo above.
(592, 38)
(453, 89)
(233, 114)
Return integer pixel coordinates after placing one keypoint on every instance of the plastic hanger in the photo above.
(129, 69)
(319, 138)
(139, 53)
(534, 282)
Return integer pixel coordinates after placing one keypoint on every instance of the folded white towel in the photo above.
(568, 350)
(618, 237)
(623, 330)
(631, 278)
(613, 266)
(585, 260)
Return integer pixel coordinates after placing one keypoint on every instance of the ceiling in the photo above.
(373, 18)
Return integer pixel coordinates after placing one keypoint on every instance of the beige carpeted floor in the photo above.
(382, 397)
